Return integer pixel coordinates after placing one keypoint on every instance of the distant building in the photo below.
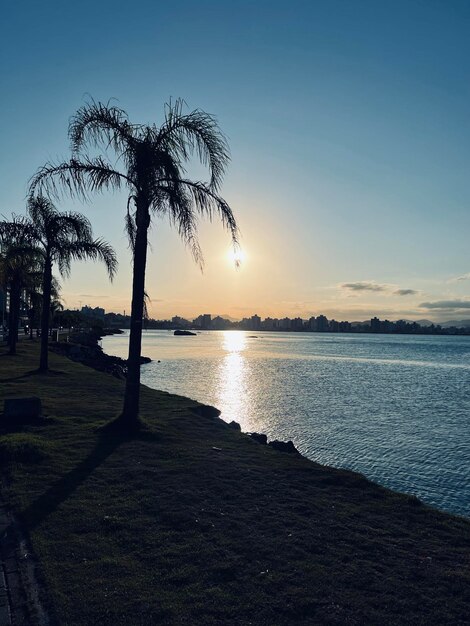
(333, 326)
(375, 325)
(206, 321)
(322, 324)
(297, 323)
(203, 321)
(180, 322)
(284, 324)
(88, 311)
(219, 323)
(255, 322)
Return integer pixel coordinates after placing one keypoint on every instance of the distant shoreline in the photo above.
(453, 331)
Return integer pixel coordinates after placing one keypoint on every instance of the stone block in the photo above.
(22, 409)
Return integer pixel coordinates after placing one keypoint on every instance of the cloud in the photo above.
(446, 304)
(405, 292)
(459, 278)
(356, 288)
(365, 285)
(90, 295)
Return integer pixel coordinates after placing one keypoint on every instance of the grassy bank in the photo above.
(191, 522)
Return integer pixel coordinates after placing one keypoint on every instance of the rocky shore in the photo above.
(83, 347)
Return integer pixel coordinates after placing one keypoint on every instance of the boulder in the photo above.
(235, 425)
(21, 409)
(284, 446)
(259, 437)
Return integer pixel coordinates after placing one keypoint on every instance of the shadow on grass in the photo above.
(49, 501)
(34, 372)
(25, 375)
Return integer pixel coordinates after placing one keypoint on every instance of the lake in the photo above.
(394, 407)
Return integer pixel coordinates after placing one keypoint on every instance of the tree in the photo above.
(62, 237)
(150, 164)
(20, 269)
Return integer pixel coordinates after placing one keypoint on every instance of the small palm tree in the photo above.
(20, 264)
(151, 166)
(62, 237)
(47, 237)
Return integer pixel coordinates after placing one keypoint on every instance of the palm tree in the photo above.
(47, 237)
(150, 164)
(62, 237)
(20, 263)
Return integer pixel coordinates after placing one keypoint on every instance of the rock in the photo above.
(284, 446)
(259, 437)
(205, 410)
(22, 409)
(145, 359)
(184, 333)
(235, 425)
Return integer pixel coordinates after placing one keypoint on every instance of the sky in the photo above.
(349, 129)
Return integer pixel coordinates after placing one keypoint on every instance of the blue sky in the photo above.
(349, 129)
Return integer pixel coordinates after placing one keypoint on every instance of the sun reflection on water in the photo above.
(234, 341)
(232, 387)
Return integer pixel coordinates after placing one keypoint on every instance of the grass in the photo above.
(163, 528)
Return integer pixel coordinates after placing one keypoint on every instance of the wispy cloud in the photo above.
(446, 305)
(459, 278)
(364, 285)
(405, 292)
(372, 286)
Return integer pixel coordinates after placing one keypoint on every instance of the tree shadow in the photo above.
(49, 501)
(21, 376)
(34, 372)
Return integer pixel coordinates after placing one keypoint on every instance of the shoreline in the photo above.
(193, 522)
(294, 412)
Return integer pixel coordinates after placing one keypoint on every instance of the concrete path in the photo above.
(19, 592)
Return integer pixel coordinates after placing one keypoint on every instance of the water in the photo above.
(395, 408)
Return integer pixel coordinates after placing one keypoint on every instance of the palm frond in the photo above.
(198, 131)
(179, 207)
(17, 231)
(77, 178)
(130, 225)
(100, 125)
(209, 203)
(97, 250)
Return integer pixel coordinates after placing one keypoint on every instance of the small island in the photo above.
(184, 333)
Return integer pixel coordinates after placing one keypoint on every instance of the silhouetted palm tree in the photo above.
(150, 164)
(20, 269)
(62, 237)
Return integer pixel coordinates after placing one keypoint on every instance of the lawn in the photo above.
(192, 522)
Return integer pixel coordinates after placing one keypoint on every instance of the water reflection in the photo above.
(232, 378)
(234, 340)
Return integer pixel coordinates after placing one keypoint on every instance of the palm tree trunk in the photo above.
(46, 305)
(130, 412)
(14, 316)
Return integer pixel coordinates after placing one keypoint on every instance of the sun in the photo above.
(236, 256)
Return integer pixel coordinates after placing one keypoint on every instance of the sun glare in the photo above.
(236, 257)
